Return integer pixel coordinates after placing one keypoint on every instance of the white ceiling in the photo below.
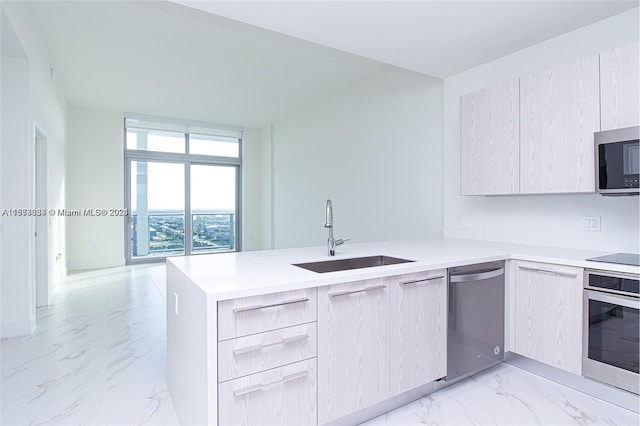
(163, 58)
(437, 38)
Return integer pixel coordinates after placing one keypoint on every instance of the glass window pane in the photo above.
(213, 208)
(132, 140)
(155, 140)
(214, 145)
(157, 207)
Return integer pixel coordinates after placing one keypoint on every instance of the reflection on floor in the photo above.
(98, 357)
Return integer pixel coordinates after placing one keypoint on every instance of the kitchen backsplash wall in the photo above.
(554, 220)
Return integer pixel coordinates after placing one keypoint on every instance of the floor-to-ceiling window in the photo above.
(182, 189)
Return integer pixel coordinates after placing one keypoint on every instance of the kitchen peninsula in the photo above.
(247, 332)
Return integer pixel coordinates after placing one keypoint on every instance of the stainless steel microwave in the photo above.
(618, 161)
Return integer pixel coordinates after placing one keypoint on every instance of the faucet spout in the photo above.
(328, 223)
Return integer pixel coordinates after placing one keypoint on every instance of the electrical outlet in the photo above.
(459, 221)
(590, 223)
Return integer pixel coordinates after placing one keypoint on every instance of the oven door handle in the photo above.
(614, 299)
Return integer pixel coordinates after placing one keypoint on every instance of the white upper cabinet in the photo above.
(619, 75)
(534, 135)
(559, 112)
(489, 140)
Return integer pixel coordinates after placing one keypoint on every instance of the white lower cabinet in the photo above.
(378, 338)
(353, 347)
(418, 329)
(548, 314)
(317, 355)
(267, 359)
(280, 396)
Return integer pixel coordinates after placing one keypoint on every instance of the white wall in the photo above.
(266, 186)
(252, 206)
(17, 291)
(95, 180)
(29, 96)
(375, 149)
(552, 219)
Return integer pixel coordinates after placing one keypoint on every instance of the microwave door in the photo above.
(618, 161)
(631, 157)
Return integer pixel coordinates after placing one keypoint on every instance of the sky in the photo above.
(212, 187)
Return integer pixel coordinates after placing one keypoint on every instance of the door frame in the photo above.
(41, 222)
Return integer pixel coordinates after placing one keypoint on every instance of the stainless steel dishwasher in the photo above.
(475, 328)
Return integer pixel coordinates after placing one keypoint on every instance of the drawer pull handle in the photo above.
(258, 347)
(255, 307)
(545, 271)
(344, 293)
(422, 281)
(260, 386)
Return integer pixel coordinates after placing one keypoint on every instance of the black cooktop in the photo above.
(619, 258)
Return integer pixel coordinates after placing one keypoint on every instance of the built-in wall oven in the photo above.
(611, 339)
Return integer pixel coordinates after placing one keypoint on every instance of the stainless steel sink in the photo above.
(353, 263)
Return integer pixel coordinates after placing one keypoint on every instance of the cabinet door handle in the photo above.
(546, 271)
(255, 307)
(422, 280)
(260, 386)
(258, 347)
(344, 293)
(476, 277)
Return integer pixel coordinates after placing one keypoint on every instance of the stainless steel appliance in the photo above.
(475, 329)
(618, 161)
(611, 339)
(618, 258)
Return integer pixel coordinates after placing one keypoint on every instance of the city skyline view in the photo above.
(166, 233)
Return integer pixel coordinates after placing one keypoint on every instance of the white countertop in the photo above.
(230, 275)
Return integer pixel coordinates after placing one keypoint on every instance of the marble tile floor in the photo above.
(507, 395)
(98, 357)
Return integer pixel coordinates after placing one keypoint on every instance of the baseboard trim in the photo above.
(611, 394)
(17, 328)
(102, 264)
(387, 405)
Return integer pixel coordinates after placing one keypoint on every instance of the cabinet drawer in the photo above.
(255, 314)
(282, 396)
(252, 354)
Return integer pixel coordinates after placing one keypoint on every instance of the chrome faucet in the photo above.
(328, 223)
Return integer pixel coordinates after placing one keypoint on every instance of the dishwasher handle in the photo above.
(476, 277)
